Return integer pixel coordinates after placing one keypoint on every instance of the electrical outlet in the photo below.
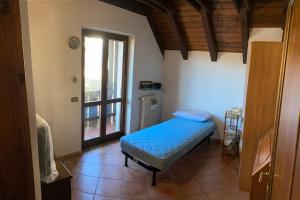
(74, 99)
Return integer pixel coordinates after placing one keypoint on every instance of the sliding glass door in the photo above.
(104, 86)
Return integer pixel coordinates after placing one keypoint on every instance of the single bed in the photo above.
(156, 148)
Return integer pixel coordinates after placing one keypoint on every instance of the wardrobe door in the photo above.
(261, 103)
(16, 170)
(288, 130)
(296, 180)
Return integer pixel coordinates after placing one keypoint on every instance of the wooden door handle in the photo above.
(4, 6)
(262, 174)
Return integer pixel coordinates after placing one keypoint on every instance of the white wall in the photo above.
(54, 64)
(30, 97)
(200, 84)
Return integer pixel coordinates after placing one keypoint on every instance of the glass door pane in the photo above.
(93, 68)
(113, 118)
(115, 69)
(92, 122)
(93, 58)
(115, 66)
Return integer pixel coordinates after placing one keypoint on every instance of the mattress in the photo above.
(161, 145)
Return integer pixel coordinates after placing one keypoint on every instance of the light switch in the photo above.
(74, 99)
(74, 79)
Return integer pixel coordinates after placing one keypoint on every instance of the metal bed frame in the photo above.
(153, 169)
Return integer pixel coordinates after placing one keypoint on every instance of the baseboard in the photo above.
(72, 155)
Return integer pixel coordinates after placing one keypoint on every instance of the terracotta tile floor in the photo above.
(99, 174)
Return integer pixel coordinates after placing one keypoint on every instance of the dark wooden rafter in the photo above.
(200, 4)
(246, 4)
(208, 28)
(140, 8)
(155, 4)
(130, 5)
(245, 32)
(177, 27)
(285, 8)
(156, 36)
(169, 7)
(236, 5)
(243, 8)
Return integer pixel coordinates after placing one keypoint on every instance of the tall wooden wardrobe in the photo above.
(270, 161)
(261, 101)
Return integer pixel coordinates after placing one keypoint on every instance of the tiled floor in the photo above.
(202, 175)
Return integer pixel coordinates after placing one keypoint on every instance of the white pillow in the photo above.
(193, 115)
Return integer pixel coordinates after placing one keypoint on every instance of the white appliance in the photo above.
(150, 111)
(48, 171)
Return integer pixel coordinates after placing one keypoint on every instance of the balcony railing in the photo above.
(94, 112)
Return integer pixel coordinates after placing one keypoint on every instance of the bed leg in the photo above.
(126, 161)
(154, 178)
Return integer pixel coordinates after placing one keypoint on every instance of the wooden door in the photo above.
(259, 187)
(260, 103)
(261, 170)
(288, 130)
(296, 179)
(16, 170)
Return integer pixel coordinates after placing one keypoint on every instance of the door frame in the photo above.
(123, 100)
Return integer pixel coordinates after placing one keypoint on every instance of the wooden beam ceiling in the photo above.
(155, 4)
(246, 4)
(157, 38)
(179, 33)
(236, 5)
(245, 32)
(177, 27)
(208, 28)
(205, 25)
(142, 9)
(169, 7)
(242, 8)
(130, 5)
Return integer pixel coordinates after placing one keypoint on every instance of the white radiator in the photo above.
(150, 111)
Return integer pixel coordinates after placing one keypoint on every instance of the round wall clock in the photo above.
(74, 42)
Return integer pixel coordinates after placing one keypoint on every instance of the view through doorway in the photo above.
(104, 86)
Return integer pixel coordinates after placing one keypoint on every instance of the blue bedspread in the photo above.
(162, 144)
